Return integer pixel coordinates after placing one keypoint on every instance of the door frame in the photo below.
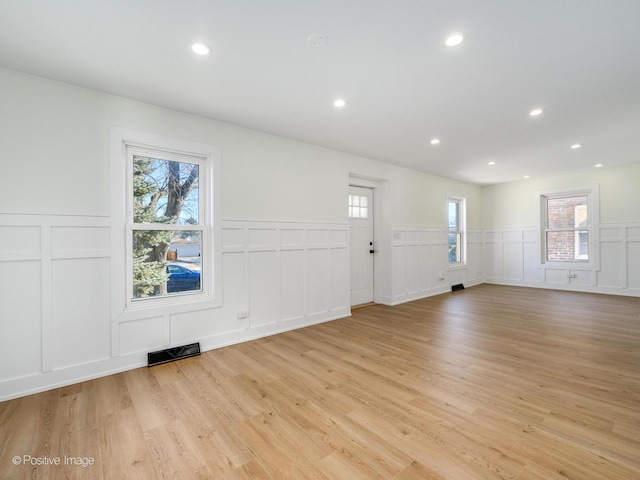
(381, 235)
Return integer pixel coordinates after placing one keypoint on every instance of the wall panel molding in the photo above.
(511, 257)
(286, 275)
(420, 258)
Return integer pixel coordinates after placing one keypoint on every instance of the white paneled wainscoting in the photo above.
(275, 277)
(57, 326)
(512, 257)
(57, 322)
(420, 266)
(54, 291)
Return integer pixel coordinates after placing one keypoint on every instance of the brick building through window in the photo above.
(567, 229)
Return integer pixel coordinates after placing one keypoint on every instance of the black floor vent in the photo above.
(455, 288)
(173, 354)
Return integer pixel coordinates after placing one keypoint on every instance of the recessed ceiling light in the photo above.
(339, 103)
(317, 40)
(454, 39)
(575, 146)
(526, 176)
(435, 141)
(598, 165)
(201, 49)
(535, 112)
(491, 163)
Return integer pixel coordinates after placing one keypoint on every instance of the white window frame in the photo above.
(124, 144)
(205, 220)
(462, 201)
(592, 192)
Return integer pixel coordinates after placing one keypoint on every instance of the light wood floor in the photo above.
(487, 383)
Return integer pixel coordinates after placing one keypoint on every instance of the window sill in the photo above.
(457, 266)
(587, 267)
(168, 306)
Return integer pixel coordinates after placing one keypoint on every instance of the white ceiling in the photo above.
(577, 59)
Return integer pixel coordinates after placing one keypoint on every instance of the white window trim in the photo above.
(593, 205)
(462, 264)
(123, 308)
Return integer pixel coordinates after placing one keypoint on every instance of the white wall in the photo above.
(284, 235)
(511, 253)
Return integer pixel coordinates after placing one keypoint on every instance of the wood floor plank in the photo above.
(491, 382)
(174, 452)
(249, 471)
(31, 434)
(149, 402)
(212, 434)
(277, 453)
(417, 471)
(123, 447)
(218, 390)
(75, 436)
(8, 418)
(111, 394)
(378, 452)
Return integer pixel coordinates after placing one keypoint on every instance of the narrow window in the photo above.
(456, 233)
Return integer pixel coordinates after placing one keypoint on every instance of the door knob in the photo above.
(372, 251)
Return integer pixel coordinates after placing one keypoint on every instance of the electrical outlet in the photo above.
(242, 314)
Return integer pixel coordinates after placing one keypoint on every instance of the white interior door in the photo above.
(361, 244)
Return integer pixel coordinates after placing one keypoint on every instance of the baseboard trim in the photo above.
(624, 292)
(40, 382)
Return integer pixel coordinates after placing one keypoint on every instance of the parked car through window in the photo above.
(182, 279)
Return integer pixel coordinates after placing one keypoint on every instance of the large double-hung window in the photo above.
(167, 228)
(164, 236)
(569, 227)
